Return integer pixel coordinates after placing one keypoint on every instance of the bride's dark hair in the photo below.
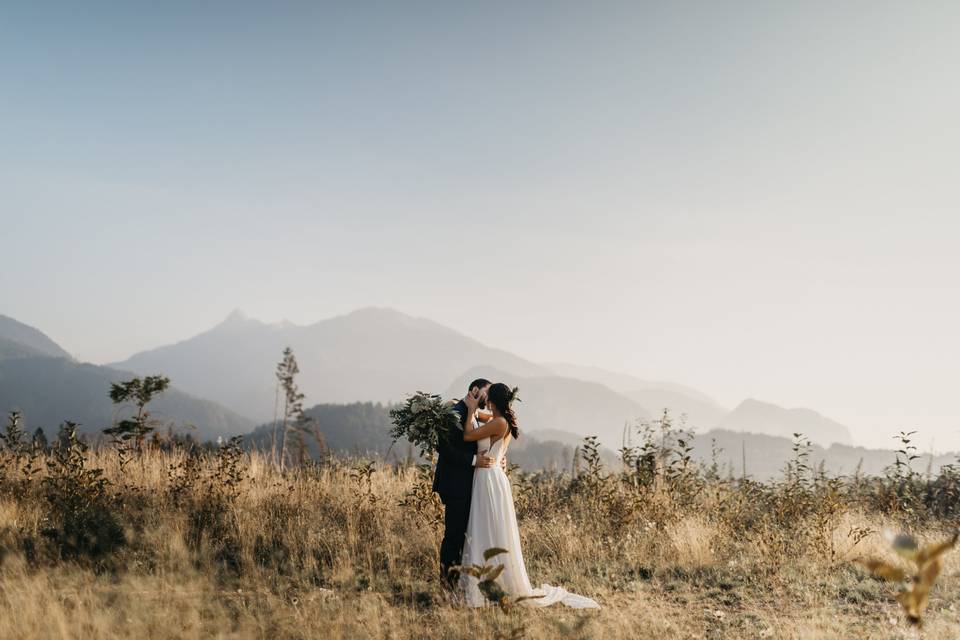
(501, 396)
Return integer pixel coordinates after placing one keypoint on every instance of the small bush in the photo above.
(79, 522)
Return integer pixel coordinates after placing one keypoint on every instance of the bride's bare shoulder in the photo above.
(500, 428)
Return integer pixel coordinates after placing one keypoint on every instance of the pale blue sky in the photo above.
(757, 199)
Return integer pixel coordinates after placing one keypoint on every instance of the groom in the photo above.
(453, 480)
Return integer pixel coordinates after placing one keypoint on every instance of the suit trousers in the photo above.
(456, 514)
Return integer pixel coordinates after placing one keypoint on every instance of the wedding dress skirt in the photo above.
(493, 524)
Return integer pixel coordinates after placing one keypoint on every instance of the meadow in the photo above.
(162, 540)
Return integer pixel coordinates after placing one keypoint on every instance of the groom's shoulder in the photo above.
(461, 408)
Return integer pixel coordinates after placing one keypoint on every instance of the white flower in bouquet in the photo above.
(420, 404)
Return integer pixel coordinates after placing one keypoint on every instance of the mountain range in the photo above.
(370, 355)
(41, 380)
(754, 416)
(18, 340)
(701, 411)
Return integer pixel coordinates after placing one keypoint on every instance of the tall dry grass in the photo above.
(224, 545)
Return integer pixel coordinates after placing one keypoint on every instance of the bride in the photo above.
(493, 521)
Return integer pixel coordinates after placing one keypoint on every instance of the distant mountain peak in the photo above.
(627, 383)
(49, 390)
(238, 319)
(756, 416)
(759, 405)
(14, 332)
(237, 315)
(370, 354)
(376, 311)
(388, 314)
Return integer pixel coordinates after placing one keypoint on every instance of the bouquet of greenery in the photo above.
(423, 419)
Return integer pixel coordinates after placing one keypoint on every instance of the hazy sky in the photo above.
(756, 199)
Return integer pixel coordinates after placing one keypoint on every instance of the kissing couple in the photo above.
(478, 501)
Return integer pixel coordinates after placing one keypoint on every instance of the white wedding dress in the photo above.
(493, 523)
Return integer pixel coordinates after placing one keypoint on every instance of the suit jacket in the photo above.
(453, 477)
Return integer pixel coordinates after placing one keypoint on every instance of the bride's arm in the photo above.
(462, 458)
(496, 427)
(484, 417)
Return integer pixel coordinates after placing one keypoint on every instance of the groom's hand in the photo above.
(503, 463)
(484, 461)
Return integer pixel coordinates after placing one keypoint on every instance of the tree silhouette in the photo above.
(287, 370)
(140, 392)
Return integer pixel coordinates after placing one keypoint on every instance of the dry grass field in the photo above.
(165, 544)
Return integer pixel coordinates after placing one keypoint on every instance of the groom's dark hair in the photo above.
(479, 382)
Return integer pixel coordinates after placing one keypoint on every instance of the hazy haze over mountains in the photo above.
(702, 411)
(372, 354)
(382, 355)
(19, 339)
(382, 351)
(39, 379)
(51, 390)
(754, 416)
(622, 382)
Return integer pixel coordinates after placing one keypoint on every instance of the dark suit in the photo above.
(453, 480)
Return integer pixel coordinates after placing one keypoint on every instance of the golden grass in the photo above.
(310, 555)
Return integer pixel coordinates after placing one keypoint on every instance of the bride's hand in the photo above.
(472, 402)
